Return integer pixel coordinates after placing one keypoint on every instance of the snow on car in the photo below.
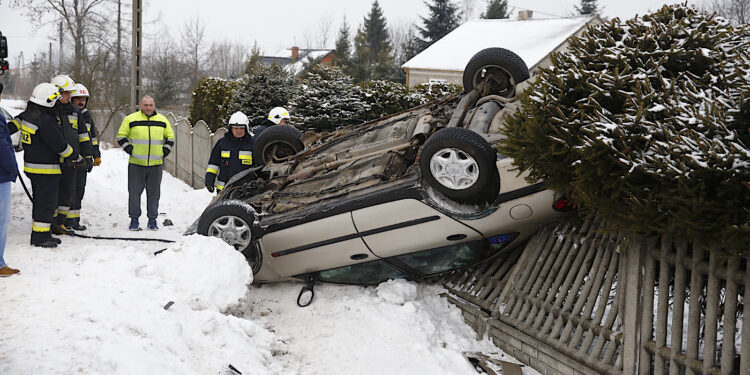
(411, 195)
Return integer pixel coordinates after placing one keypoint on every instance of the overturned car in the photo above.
(411, 195)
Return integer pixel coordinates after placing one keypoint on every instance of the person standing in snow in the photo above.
(44, 146)
(8, 174)
(232, 154)
(277, 116)
(78, 137)
(148, 138)
(80, 98)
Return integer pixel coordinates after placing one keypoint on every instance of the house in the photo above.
(294, 59)
(532, 39)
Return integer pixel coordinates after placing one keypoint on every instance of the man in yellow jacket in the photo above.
(148, 138)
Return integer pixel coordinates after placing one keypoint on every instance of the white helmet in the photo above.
(80, 90)
(239, 118)
(45, 94)
(277, 114)
(65, 83)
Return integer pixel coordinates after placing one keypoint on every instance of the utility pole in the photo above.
(60, 57)
(135, 69)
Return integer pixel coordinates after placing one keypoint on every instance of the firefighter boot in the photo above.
(42, 239)
(74, 224)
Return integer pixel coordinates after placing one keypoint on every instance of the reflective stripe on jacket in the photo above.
(149, 136)
(229, 156)
(43, 144)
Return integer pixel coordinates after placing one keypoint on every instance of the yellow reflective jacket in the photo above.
(152, 138)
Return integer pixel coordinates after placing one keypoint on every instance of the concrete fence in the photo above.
(578, 301)
(189, 157)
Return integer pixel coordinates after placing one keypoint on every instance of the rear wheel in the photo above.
(276, 143)
(501, 69)
(234, 222)
(460, 164)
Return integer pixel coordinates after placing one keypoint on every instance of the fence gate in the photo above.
(576, 300)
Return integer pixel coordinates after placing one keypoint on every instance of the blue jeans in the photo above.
(4, 217)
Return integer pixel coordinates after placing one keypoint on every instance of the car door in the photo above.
(313, 246)
(408, 225)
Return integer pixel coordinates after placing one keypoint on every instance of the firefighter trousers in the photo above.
(74, 213)
(45, 189)
(66, 192)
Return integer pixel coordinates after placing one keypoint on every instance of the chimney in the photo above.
(295, 53)
(524, 15)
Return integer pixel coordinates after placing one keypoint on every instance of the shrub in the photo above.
(211, 102)
(646, 123)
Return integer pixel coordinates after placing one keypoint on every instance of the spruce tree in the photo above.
(373, 58)
(327, 100)
(496, 9)
(588, 7)
(444, 17)
(343, 46)
(647, 124)
(267, 87)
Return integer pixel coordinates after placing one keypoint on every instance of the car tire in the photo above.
(495, 58)
(238, 220)
(460, 164)
(277, 141)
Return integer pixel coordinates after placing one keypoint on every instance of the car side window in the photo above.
(442, 259)
(368, 273)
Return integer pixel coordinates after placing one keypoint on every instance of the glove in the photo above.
(97, 162)
(166, 151)
(210, 188)
(80, 163)
(89, 163)
(129, 149)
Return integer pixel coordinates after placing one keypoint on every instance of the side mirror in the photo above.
(3, 47)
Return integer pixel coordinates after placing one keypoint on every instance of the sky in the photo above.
(280, 24)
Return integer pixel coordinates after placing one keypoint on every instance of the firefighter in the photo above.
(232, 154)
(78, 138)
(44, 147)
(277, 116)
(148, 138)
(80, 98)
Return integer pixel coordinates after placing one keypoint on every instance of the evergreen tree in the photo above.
(267, 87)
(255, 61)
(343, 46)
(212, 101)
(444, 17)
(373, 58)
(496, 9)
(327, 100)
(647, 124)
(588, 7)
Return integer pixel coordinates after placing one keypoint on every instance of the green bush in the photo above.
(429, 92)
(211, 102)
(646, 123)
(264, 88)
(327, 100)
(386, 97)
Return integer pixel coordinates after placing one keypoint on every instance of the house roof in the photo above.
(284, 58)
(532, 40)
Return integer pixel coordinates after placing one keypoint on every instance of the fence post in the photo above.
(631, 321)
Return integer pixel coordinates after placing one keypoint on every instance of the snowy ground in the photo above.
(97, 307)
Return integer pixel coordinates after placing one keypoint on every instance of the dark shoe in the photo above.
(74, 224)
(56, 240)
(49, 243)
(134, 225)
(152, 224)
(7, 271)
(60, 229)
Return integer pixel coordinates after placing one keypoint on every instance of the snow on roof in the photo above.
(532, 39)
(297, 67)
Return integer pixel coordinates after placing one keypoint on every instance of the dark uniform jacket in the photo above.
(74, 135)
(93, 132)
(230, 156)
(43, 143)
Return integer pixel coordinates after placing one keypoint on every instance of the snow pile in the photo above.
(646, 122)
(103, 307)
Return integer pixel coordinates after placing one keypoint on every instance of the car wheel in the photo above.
(276, 143)
(234, 222)
(502, 69)
(460, 164)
